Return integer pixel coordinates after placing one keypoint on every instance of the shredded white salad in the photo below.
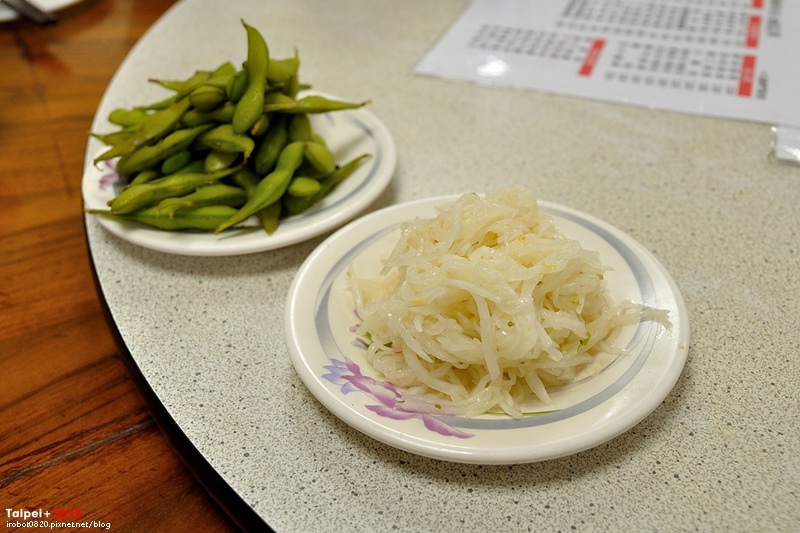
(485, 307)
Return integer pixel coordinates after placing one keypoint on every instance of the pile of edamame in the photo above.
(228, 144)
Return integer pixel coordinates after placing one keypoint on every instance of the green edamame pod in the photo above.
(127, 117)
(270, 147)
(175, 162)
(157, 124)
(152, 155)
(139, 196)
(218, 160)
(221, 82)
(319, 104)
(162, 104)
(282, 70)
(151, 129)
(297, 204)
(172, 85)
(214, 194)
(236, 86)
(303, 186)
(317, 138)
(192, 83)
(205, 98)
(272, 187)
(195, 166)
(149, 175)
(219, 76)
(183, 87)
(293, 86)
(300, 128)
(276, 101)
(115, 138)
(248, 181)
(145, 176)
(221, 114)
(261, 126)
(223, 139)
(204, 218)
(251, 105)
(270, 217)
(320, 157)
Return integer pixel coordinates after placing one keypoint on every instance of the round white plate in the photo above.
(331, 360)
(6, 13)
(348, 133)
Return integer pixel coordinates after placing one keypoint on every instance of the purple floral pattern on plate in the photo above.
(348, 375)
(110, 176)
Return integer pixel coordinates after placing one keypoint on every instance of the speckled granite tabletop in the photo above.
(702, 194)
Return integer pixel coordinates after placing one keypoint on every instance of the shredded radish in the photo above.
(485, 307)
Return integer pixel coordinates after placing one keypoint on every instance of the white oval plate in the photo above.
(348, 133)
(331, 361)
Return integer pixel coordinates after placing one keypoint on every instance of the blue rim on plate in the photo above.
(331, 361)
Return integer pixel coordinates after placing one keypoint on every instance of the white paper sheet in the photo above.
(727, 58)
